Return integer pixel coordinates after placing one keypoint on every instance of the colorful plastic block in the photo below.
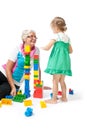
(29, 112)
(6, 101)
(9, 96)
(0, 104)
(43, 104)
(19, 98)
(38, 93)
(60, 93)
(27, 102)
(71, 91)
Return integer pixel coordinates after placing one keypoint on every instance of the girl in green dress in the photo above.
(59, 64)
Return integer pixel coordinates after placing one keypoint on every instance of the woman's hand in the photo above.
(13, 91)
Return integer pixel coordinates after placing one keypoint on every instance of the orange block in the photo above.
(6, 101)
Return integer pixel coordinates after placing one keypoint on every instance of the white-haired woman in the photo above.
(11, 74)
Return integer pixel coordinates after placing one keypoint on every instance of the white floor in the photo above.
(61, 116)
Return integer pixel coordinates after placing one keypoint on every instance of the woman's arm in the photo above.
(49, 45)
(9, 67)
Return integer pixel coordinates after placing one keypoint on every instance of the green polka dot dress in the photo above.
(59, 60)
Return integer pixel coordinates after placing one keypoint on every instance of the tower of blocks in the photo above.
(27, 71)
(38, 84)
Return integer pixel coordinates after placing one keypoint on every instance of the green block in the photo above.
(19, 98)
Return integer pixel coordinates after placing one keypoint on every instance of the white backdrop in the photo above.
(17, 15)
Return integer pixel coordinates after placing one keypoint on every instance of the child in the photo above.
(59, 64)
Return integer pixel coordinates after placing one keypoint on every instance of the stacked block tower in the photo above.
(38, 90)
(27, 71)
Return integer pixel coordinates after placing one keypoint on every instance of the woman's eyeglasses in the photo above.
(32, 36)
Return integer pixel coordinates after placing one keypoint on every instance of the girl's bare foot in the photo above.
(51, 101)
(64, 99)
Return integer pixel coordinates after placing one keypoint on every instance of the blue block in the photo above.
(29, 112)
(71, 92)
(36, 66)
(9, 96)
(27, 71)
(27, 88)
(51, 95)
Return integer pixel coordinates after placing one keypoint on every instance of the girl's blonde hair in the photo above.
(26, 33)
(60, 23)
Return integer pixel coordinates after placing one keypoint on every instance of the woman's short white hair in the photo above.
(26, 33)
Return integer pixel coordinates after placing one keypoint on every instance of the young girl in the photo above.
(59, 64)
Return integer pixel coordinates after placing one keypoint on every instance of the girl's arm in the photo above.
(9, 67)
(70, 49)
(49, 45)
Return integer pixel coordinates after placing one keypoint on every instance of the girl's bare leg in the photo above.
(63, 87)
(56, 79)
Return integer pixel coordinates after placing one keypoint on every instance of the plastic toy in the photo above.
(6, 101)
(19, 98)
(43, 104)
(27, 71)
(29, 112)
(38, 84)
(27, 102)
(71, 91)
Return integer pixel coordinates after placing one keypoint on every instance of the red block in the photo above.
(36, 56)
(59, 92)
(38, 93)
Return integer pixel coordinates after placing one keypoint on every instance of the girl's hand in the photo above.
(13, 91)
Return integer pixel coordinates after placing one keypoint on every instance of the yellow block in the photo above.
(26, 67)
(27, 48)
(41, 82)
(0, 104)
(36, 72)
(35, 78)
(43, 104)
(27, 77)
(28, 103)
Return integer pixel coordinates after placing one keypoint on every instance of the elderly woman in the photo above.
(11, 74)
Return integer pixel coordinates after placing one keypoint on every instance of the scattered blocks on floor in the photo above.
(9, 96)
(43, 104)
(6, 101)
(71, 91)
(29, 112)
(0, 104)
(60, 93)
(27, 102)
(19, 98)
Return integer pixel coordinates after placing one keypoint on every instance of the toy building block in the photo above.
(6, 101)
(19, 98)
(71, 91)
(9, 96)
(51, 95)
(27, 70)
(43, 104)
(29, 112)
(27, 50)
(60, 93)
(19, 92)
(38, 93)
(0, 104)
(27, 102)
